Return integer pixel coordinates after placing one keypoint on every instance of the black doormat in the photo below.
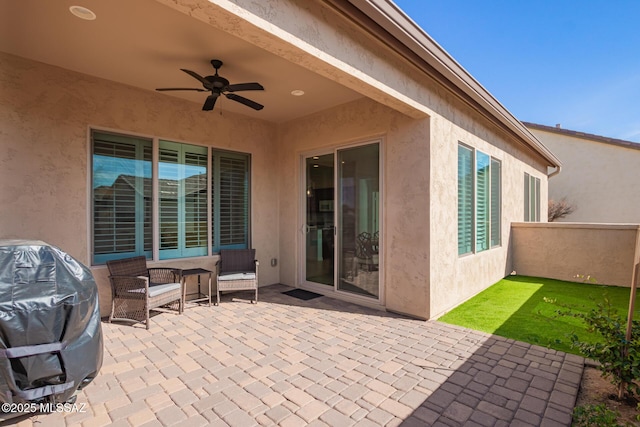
(302, 294)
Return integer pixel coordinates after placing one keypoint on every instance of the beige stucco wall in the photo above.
(45, 115)
(456, 278)
(405, 193)
(605, 252)
(600, 179)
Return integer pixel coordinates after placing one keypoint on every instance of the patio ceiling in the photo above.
(144, 44)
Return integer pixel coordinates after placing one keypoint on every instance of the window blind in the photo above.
(465, 200)
(168, 200)
(230, 210)
(531, 198)
(496, 200)
(537, 199)
(527, 198)
(483, 201)
(182, 173)
(196, 204)
(479, 201)
(121, 187)
(123, 190)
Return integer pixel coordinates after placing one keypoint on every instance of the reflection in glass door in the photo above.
(359, 220)
(342, 221)
(320, 227)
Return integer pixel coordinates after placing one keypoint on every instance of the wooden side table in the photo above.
(200, 297)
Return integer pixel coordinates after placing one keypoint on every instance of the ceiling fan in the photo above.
(218, 85)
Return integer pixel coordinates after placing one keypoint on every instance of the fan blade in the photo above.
(244, 86)
(162, 89)
(210, 102)
(245, 101)
(197, 76)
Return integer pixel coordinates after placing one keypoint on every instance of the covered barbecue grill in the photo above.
(50, 332)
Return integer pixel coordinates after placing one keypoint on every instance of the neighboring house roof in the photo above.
(168, 187)
(583, 135)
(389, 20)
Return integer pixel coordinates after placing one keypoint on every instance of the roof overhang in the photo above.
(388, 22)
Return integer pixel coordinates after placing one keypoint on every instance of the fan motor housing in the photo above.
(217, 81)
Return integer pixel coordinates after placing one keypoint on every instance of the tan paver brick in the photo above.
(172, 385)
(292, 421)
(158, 401)
(97, 421)
(390, 367)
(262, 372)
(170, 415)
(312, 410)
(141, 417)
(117, 401)
(374, 398)
(297, 396)
(396, 408)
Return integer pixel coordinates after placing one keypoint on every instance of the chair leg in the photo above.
(113, 309)
(146, 309)
(217, 296)
(256, 301)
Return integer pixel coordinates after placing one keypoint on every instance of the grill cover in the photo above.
(50, 332)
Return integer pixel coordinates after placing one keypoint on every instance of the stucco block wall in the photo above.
(405, 193)
(605, 252)
(45, 116)
(600, 179)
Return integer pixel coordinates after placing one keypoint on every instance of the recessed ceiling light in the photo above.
(82, 13)
(297, 92)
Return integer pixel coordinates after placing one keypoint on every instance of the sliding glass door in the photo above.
(359, 219)
(319, 216)
(342, 221)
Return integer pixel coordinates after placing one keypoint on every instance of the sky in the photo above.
(570, 62)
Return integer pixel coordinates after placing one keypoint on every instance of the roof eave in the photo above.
(395, 22)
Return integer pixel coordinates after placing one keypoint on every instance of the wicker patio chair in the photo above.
(137, 289)
(237, 271)
(367, 251)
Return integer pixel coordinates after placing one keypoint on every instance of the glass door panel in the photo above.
(320, 227)
(359, 220)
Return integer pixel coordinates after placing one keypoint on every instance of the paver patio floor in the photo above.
(320, 362)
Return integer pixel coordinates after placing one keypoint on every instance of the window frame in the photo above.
(532, 201)
(468, 244)
(182, 151)
(491, 208)
(214, 206)
(153, 221)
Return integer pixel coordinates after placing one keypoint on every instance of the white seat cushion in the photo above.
(237, 276)
(156, 290)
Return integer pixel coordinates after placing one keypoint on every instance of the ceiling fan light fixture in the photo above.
(83, 13)
(297, 92)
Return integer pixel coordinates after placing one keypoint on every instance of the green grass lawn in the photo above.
(525, 309)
